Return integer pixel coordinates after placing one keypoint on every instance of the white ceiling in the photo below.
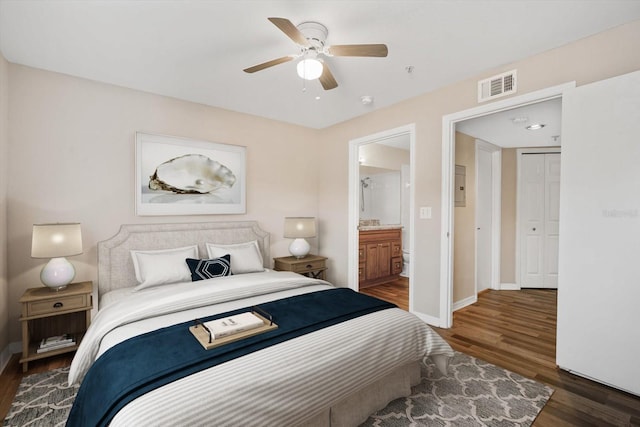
(507, 129)
(196, 50)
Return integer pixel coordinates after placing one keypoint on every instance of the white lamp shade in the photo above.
(56, 240)
(299, 227)
(309, 69)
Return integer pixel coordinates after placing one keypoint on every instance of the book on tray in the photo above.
(56, 342)
(231, 325)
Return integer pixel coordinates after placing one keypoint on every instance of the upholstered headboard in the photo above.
(115, 267)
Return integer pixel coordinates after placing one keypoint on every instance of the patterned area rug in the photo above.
(42, 400)
(475, 393)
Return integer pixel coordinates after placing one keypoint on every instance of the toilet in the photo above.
(405, 263)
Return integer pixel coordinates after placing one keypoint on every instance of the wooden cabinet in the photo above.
(313, 266)
(47, 313)
(380, 256)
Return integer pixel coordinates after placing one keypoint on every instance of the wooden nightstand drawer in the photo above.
(307, 266)
(55, 305)
(311, 265)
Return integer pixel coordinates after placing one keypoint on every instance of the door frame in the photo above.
(354, 188)
(520, 201)
(496, 210)
(448, 169)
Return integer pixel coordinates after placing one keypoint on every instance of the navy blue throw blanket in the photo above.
(143, 363)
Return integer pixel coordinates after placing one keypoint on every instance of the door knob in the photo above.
(534, 229)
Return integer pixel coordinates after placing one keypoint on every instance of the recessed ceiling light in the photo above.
(535, 126)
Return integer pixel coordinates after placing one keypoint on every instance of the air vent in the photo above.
(497, 86)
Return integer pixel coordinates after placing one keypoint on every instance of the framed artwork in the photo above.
(180, 176)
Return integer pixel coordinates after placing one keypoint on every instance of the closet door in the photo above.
(539, 213)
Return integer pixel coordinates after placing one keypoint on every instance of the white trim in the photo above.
(448, 159)
(465, 302)
(496, 211)
(519, 201)
(5, 356)
(354, 182)
(509, 287)
(433, 321)
(11, 349)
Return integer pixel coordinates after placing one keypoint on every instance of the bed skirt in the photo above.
(355, 409)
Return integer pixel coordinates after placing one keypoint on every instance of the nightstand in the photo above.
(313, 266)
(47, 313)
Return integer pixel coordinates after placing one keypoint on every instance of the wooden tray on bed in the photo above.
(203, 336)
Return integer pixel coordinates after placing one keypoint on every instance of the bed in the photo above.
(334, 376)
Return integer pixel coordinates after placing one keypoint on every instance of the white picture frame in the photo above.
(173, 191)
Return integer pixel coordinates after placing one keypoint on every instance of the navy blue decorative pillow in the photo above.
(202, 269)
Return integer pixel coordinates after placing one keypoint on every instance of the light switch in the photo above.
(425, 212)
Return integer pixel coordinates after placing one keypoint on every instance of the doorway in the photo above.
(448, 168)
(356, 180)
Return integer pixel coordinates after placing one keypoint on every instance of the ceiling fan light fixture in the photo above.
(310, 68)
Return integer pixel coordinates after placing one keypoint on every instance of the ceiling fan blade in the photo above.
(374, 50)
(290, 30)
(268, 64)
(327, 80)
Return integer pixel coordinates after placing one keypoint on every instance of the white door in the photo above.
(539, 210)
(551, 220)
(484, 205)
(598, 294)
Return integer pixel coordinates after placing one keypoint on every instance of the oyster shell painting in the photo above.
(191, 174)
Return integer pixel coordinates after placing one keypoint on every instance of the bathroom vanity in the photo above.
(380, 254)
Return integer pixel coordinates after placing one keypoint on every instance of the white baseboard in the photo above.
(430, 320)
(7, 352)
(509, 287)
(465, 302)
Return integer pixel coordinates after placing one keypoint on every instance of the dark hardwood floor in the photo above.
(517, 331)
(512, 329)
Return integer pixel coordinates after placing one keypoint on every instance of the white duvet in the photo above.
(283, 384)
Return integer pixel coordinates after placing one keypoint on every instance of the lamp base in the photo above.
(299, 248)
(57, 274)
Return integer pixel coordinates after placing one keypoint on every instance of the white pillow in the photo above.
(245, 257)
(162, 267)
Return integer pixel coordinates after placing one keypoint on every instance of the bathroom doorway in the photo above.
(381, 197)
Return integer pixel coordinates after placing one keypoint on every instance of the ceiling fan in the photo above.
(310, 37)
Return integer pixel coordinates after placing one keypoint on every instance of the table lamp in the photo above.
(299, 228)
(56, 241)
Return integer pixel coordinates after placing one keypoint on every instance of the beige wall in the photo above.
(72, 159)
(4, 147)
(616, 52)
(464, 242)
(71, 141)
(508, 216)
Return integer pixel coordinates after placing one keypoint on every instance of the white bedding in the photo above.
(280, 385)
